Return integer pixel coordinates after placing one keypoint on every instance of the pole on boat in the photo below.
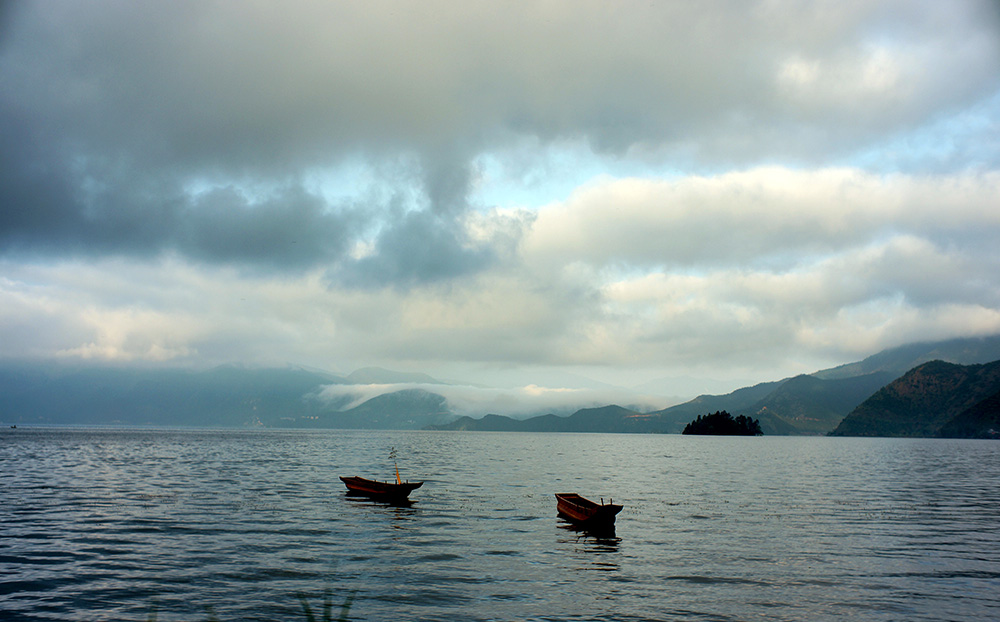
(392, 456)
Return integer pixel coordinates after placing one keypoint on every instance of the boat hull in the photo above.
(584, 512)
(379, 490)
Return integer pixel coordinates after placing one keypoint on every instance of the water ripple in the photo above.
(238, 525)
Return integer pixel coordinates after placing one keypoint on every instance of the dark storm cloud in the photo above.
(95, 208)
(421, 247)
(256, 86)
(181, 90)
(53, 204)
(292, 228)
(416, 247)
(118, 109)
(36, 193)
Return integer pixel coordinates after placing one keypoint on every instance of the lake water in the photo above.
(99, 524)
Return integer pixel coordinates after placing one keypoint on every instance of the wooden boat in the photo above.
(379, 490)
(584, 512)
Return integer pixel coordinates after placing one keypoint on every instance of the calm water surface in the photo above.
(242, 525)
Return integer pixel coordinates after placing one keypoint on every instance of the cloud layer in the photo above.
(735, 188)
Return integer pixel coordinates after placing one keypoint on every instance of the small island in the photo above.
(721, 423)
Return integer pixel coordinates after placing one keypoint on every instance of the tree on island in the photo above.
(721, 423)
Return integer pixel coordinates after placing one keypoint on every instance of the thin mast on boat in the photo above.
(392, 456)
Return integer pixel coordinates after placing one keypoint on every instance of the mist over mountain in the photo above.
(897, 361)
(408, 409)
(377, 375)
(681, 389)
(375, 398)
(228, 396)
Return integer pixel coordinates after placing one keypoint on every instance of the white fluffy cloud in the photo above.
(759, 216)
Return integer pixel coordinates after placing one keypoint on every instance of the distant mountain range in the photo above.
(608, 419)
(234, 396)
(800, 405)
(805, 404)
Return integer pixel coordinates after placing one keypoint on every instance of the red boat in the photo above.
(379, 490)
(585, 512)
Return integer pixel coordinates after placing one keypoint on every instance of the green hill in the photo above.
(816, 403)
(741, 401)
(980, 421)
(812, 405)
(924, 401)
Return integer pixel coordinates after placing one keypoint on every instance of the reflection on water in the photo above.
(353, 497)
(101, 524)
(400, 511)
(601, 534)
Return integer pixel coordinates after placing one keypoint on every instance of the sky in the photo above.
(702, 195)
